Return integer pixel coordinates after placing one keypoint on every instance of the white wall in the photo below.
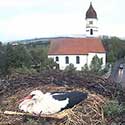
(72, 59)
(84, 59)
(95, 22)
(93, 26)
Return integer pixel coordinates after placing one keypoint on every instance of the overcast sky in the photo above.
(25, 19)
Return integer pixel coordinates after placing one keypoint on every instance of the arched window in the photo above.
(57, 58)
(77, 59)
(91, 31)
(67, 60)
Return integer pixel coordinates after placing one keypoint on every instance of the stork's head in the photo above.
(34, 95)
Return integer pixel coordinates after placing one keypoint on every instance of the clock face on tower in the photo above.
(90, 22)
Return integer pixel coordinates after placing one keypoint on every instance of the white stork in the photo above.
(38, 103)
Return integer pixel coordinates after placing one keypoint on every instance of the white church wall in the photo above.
(93, 24)
(72, 60)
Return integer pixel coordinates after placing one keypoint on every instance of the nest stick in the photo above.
(59, 115)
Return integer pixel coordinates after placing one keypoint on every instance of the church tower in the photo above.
(91, 22)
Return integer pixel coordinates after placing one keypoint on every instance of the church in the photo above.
(79, 51)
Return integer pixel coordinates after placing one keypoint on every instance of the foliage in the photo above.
(23, 58)
(2, 60)
(70, 69)
(38, 55)
(17, 56)
(95, 67)
(115, 48)
(50, 64)
(24, 70)
(85, 68)
(31, 121)
(113, 108)
(96, 64)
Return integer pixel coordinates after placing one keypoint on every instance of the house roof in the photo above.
(91, 13)
(75, 46)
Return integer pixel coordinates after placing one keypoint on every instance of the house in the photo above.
(79, 51)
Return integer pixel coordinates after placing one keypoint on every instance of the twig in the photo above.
(60, 115)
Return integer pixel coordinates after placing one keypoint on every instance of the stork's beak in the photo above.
(27, 97)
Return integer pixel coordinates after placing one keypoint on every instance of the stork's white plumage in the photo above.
(50, 103)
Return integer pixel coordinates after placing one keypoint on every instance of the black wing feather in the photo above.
(74, 97)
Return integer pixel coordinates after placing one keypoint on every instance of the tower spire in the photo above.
(91, 22)
(91, 13)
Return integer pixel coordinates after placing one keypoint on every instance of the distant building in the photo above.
(79, 51)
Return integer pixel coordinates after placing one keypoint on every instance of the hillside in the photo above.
(36, 40)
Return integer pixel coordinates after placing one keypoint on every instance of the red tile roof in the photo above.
(75, 46)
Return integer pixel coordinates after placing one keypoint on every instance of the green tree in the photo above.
(115, 48)
(2, 60)
(17, 57)
(96, 64)
(85, 68)
(50, 64)
(39, 57)
(9, 56)
(22, 56)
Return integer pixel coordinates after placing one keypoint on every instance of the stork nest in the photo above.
(88, 112)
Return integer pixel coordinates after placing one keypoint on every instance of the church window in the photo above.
(67, 60)
(57, 58)
(91, 31)
(77, 59)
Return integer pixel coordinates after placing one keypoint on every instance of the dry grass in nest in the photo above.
(88, 112)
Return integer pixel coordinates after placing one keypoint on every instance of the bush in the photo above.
(50, 64)
(85, 68)
(23, 70)
(95, 67)
(17, 56)
(70, 69)
(113, 108)
(23, 59)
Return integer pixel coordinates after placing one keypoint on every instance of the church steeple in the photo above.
(91, 22)
(91, 13)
